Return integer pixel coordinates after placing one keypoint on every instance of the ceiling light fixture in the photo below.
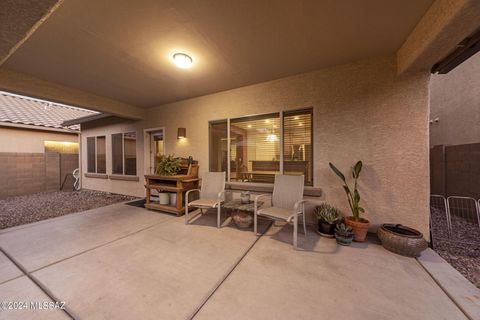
(271, 137)
(182, 60)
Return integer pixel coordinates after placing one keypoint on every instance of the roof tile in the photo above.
(23, 110)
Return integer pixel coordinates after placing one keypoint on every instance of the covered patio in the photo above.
(252, 90)
(125, 262)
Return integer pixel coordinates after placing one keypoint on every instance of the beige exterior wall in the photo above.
(107, 127)
(455, 101)
(30, 141)
(361, 111)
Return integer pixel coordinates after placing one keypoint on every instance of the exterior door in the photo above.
(157, 149)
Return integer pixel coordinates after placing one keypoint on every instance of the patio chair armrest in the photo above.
(295, 209)
(255, 200)
(298, 204)
(188, 192)
(221, 196)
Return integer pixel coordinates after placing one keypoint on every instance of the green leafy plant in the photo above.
(327, 213)
(167, 166)
(342, 228)
(353, 196)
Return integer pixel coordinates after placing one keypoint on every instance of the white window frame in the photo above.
(96, 154)
(123, 154)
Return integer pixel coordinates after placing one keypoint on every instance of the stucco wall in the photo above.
(361, 111)
(107, 127)
(30, 141)
(455, 101)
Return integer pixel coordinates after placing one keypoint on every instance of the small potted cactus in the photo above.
(327, 216)
(343, 234)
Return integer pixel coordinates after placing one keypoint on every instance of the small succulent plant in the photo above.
(342, 228)
(327, 213)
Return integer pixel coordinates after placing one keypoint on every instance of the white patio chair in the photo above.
(287, 203)
(212, 194)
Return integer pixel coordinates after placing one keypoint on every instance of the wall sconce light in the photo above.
(181, 133)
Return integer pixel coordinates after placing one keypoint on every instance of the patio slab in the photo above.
(129, 263)
(327, 281)
(8, 270)
(462, 291)
(39, 244)
(165, 272)
(23, 289)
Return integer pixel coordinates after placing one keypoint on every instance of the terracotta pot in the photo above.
(360, 228)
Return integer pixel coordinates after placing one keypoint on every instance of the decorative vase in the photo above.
(242, 219)
(245, 197)
(164, 198)
(344, 239)
(402, 240)
(326, 229)
(360, 228)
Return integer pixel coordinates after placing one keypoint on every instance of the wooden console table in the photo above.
(178, 184)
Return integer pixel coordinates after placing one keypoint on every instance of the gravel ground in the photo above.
(20, 210)
(462, 249)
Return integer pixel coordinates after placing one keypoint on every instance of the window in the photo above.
(124, 153)
(101, 155)
(91, 164)
(258, 147)
(218, 146)
(255, 148)
(96, 161)
(297, 144)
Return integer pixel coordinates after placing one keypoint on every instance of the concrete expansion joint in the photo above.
(102, 245)
(210, 295)
(459, 306)
(42, 287)
(37, 282)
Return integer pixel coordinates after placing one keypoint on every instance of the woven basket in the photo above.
(402, 240)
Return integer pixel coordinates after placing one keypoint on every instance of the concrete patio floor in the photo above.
(123, 262)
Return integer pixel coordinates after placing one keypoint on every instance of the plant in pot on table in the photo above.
(359, 225)
(327, 216)
(167, 166)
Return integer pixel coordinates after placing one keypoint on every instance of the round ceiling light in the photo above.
(182, 60)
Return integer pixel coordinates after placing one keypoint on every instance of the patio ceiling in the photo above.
(122, 49)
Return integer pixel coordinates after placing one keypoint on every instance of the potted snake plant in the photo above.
(357, 223)
(327, 216)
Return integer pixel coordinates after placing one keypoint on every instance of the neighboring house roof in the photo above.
(32, 112)
(85, 119)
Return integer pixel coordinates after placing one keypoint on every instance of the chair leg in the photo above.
(295, 230)
(304, 226)
(219, 212)
(255, 221)
(186, 211)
